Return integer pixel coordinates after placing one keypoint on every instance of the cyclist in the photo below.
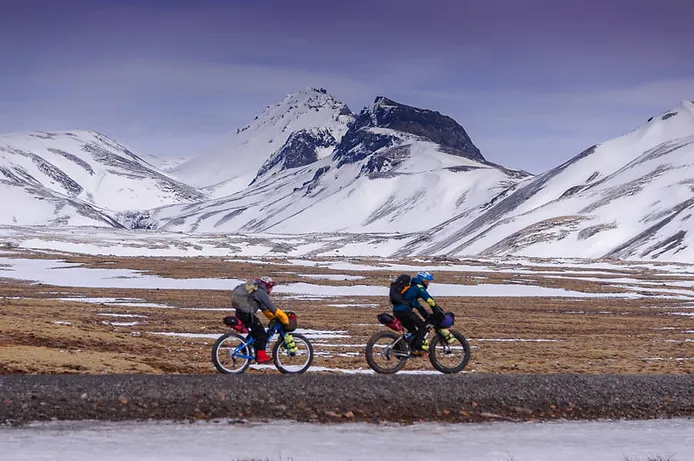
(247, 299)
(404, 311)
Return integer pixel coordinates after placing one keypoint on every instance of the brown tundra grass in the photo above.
(41, 334)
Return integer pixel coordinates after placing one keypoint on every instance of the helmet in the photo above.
(267, 282)
(424, 276)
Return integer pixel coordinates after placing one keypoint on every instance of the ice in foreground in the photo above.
(575, 441)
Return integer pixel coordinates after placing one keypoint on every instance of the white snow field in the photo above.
(290, 441)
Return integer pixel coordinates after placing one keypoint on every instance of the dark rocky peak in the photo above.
(429, 124)
(301, 149)
(361, 140)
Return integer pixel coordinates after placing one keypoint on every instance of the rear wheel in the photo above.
(386, 352)
(449, 358)
(228, 354)
(296, 362)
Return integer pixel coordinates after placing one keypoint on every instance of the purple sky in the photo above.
(533, 81)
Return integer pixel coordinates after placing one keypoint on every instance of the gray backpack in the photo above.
(240, 297)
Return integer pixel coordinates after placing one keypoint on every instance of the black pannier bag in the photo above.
(235, 323)
(390, 321)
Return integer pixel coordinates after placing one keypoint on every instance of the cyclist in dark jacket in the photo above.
(250, 297)
(405, 311)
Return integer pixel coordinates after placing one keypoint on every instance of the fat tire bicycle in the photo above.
(388, 351)
(232, 353)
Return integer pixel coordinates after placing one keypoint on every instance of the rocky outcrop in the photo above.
(430, 125)
(301, 149)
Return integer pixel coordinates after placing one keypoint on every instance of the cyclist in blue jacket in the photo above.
(405, 311)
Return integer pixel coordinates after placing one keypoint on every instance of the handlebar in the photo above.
(275, 326)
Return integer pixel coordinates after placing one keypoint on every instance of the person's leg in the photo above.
(259, 333)
(245, 317)
(413, 323)
(257, 329)
(418, 342)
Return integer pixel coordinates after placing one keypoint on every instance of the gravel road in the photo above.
(344, 398)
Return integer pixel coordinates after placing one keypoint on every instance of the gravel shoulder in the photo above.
(345, 398)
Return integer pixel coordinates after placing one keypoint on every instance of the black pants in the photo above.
(257, 329)
(414, 324)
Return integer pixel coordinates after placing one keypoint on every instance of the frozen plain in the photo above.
(550, 441)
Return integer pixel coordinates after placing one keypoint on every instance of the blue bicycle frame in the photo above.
(271, 330)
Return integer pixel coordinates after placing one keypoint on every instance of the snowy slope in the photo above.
(164, 164)
(49, 174)
(630, 197)
(39, 206)
(233, 164)
(378, 179)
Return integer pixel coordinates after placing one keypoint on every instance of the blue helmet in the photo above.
(424, 276)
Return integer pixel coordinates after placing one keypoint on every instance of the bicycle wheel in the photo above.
(449, 358)
(228, 354)
(296, 362)
(386, 352)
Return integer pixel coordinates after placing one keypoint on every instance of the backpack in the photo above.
(398, 287)
(240, 297)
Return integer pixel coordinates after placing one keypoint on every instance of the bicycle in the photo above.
(232, 352)
(387, 351)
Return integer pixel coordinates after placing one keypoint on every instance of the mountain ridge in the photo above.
(309, 165)
(626, 173)
(232, 164)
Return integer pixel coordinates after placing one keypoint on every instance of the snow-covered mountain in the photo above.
(397, 169)
(308, 116)
(78, 178)
(309, 165)
(631, 197)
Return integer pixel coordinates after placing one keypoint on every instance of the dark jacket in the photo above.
(251, 297)
(416, 291)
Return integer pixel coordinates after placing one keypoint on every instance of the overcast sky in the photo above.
(532, 81)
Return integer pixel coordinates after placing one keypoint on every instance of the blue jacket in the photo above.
(416, 291)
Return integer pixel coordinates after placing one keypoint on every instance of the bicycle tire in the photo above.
(398, 358)
(438, 343)
(279, 351)
(217, 348)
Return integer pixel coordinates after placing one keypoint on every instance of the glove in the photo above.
(268, 314)
(282, 317)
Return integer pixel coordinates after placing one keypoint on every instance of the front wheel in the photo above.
(386, 352)
(230, 354)
(295, 362)
(449, 358)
